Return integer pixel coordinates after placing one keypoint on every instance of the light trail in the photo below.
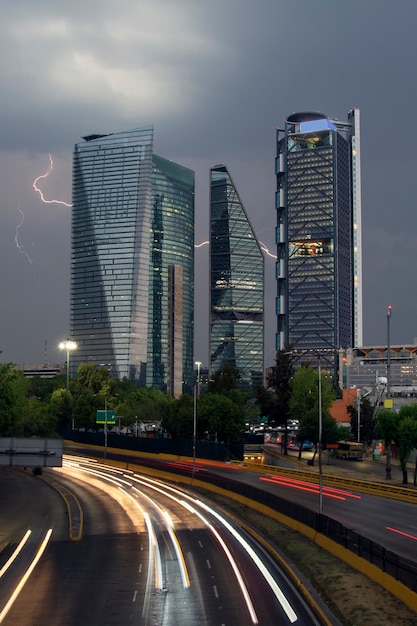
(39, 191)
(402, 533)
(249, 550)
(309, 487)
(190, 504)
(300, 484)
(25, 576)
(200, 245)
(15, 553)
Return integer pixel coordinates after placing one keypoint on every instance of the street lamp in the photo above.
(68, 345)
(388, 401)
(196, 390)
(359, 414)
(105, 426)
(320, 438)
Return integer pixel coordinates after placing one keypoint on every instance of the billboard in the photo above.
(25, 452)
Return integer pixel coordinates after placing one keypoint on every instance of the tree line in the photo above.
(223, 408)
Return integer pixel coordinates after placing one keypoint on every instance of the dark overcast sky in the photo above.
(215, 79)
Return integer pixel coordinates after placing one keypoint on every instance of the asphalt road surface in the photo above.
(149, 555)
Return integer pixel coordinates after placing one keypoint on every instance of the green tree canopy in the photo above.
(220, 417)
(224, 380)
(279, 383)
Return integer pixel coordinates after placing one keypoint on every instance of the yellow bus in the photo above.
(349, 450)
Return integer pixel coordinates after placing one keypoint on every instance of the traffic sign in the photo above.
(106, 417)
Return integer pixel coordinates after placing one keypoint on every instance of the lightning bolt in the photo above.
(39, 191)
(16, 239)
(265, 248)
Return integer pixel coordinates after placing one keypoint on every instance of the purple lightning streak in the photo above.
(16, 238)
(266, 250)
(39, 191)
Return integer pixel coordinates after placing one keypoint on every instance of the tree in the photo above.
(279, 382)
(178, 420)
(367, 420)
(304, 402)
(224, 380)
(8, 379)
(407, 441)
(222, 418)
(407, 437)
(387, 423)
(309, 429)
(95, 379)
(61, 407)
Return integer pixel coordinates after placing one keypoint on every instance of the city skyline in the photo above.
(215, 92)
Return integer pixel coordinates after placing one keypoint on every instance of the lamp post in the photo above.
(105, 426)
(68, 345)
(388, 401)
(320, 438)
(359, 414)
(196, 390)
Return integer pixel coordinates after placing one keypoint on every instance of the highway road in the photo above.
(150, 555)
(391, 523)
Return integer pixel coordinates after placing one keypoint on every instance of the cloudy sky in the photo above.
(215, 79)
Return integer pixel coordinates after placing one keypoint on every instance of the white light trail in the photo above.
(200, 245)
(39, 191)
(25, 576)
(186, 500)
(15, 553)
(292, 616)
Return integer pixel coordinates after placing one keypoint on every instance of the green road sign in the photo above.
(106, 417)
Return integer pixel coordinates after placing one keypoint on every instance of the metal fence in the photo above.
(398, 567)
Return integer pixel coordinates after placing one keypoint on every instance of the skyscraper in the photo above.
(318, 201)
(236, 284)
(132, 268)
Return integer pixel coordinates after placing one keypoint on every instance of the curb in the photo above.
(74, 510)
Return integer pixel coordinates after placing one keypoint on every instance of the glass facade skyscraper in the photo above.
(236, 284)
(132, 266)
(319, 273)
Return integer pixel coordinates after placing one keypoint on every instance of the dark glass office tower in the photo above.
(236, 284)
(132, 267)
(319, 275)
